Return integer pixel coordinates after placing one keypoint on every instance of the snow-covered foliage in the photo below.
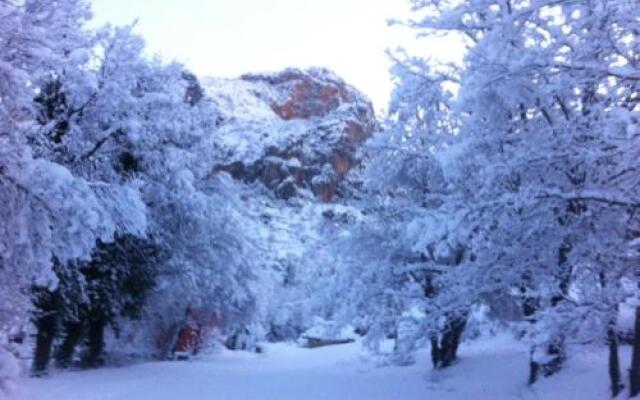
(288, 139)
(124, 199)
(507, 180)
(98, 141)
(48, 213)
(500, 191)
(548, 132)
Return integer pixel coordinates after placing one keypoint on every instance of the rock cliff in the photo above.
(293, 131)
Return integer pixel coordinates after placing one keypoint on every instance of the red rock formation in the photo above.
(195, 332)
(311, 93)
(343, 119)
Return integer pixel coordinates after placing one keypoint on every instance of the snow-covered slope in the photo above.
(493, 369)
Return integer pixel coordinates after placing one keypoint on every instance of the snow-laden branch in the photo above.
(613, 199)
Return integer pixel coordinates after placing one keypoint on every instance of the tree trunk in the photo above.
(534, 369)
(529, 308)
(614, 361)
(555, 350)
(435, 351)
(95, 344)
(634, 373)
(445, 352)
(46, 326)
(556, 354)
(73, 335)
(615, 376)
(46, 323)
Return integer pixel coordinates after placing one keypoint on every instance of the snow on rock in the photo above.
(235, 99)
(291, 130)
(327, 333)
(304, 94)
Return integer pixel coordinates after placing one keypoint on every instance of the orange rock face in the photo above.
(195, 332)
(311, 98)
(337, 120)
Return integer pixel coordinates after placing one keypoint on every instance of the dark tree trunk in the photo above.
(435, 351)
(46, 326)
(534, 369)
(46, 323)
(634, 372)
(95, 343)
(445, 352)
(615, 376)
(556, 350)
(556, 354)
(451, 341)
(614, 360)
(73, 335)
(529, 308)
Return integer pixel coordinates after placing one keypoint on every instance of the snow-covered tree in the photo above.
(536, 135)
(100, 142)
(47, 211)
(390, 271)
(555, 128)
(140, 124)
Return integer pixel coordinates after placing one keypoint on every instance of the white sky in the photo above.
(226, 38)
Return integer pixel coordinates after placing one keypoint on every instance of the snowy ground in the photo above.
(494, 369)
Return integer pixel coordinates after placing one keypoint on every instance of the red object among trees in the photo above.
(195, 333)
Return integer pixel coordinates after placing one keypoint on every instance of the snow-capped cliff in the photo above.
(292, 130)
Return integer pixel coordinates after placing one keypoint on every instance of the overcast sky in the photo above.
(227, 38)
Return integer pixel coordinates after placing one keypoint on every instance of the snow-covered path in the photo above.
(283, 372)
(487, 371)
